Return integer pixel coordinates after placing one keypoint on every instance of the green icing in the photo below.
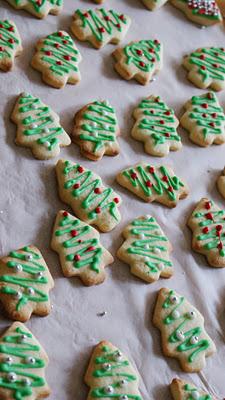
(100, 21)
(99, 126)
(38, 6)
(31, 268)
(203, 8)
(188, 388)
(210, 63)
(9, 40)
(185, 343)
(143, 54)
(88, 250)
(20, 345)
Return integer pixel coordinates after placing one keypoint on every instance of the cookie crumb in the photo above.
(101, 314)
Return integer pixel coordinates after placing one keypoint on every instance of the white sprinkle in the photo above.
(18, 295)
(46, 130)
(47, 144)
(26, 381)
(146, 246)
(156, 250)
(191, 314)
(108, 389)
(160, 266)
(18, 268)
(21, 338)
(147, 216)
(30, 360)
(142, 236)
(29, 257)
(106, 366)
(33, 126)
(174, 299)
(175, 314)
(30, 291)
(123, 382)
(194, 340)
(180, 335)
(123, 397)
(39, 274)
(195, 395)
(94, 124)
(9, 360)
(12, 377)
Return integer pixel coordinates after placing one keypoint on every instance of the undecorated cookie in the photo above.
(139, 60)
(23, 364)
(111, 375)
(156, 126)
(183, 390)
(57, 58)
(96, 130)
(153, 183)
(10, 44)
(38, 8)
(204, 120)
(25, 282)
(154, 4)
(100, 27)
(146, 249)
(206, 67)
(182, 331)
(79, 248)
(203, 12)
(207, 223)
(89, 198)
(38, 127)
(221, 5)
(221, 183)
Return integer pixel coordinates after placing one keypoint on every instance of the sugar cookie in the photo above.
(183, 390)
(38, 8)
(10, 44)
(203, 12)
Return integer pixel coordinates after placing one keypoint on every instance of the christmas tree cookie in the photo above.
(38, 127)
(183, 390)
(79, 248)
(23, 363)
(203, 12)
(95, 131)
(139, 60)
(154, 4)
(153, 184)
(57, 58)
(25, 282)
(89, 198)
(10, 44)
(207, 223)
(156, 126)
(182, 331)
(204, 120)
(38, 8)
(206, 67)
(146, 249)
(221, 183)
(111, 375)
(100, 27)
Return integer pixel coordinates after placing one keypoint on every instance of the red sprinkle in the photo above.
(142, 64)
(151, 50)
(148, 184)
(73, 233)
(210, 96)
(170, 189)
(162, 122)
(59, 62)
(116, 200)
(167, 134)
(202, 57)
(203, 67)
(139, 52)
(107, 18)
(65, 214)
(156, 41)
(80, 169)
(98, 210)
(90, 248)
(215, 65)
(77, 257)
(11, 29)
(209, 216)
(133, 175)
(167, 112)
(205, 105)
(157, 100)
(1, 48)
(151, 170)
(60, 34)
(86, 15)
(11, 40)
(57, 45)
(220, 246)
(102, 30)
(219, 228)
(118, 26)
(67, 57)
(98, 190)
(48, 53)
(204, 115)
(1, 26)
(152, 111)
(205, 230)
(79, 241)
(214, 115)
(76, 185)
(165, 178)
(207, 205)
(65, 41)
(121, 17)
(212, 124)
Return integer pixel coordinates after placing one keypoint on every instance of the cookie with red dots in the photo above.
(207, 223)
(221, 183)
(202, 12)
(57, 58)
(153, 183)
(79, 248)
(204, 120)
(10, 44)
(96, 130)
(100, 27)
(183, 390)
(156, 126)
(38, 8)
(139, 60)
(154, 4)
(206, 68)
(91, 201)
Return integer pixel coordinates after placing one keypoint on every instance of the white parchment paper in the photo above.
(29, 203)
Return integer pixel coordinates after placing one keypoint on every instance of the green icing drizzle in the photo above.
(141, 177)
(39, 5)
(87, 185)
(183, 343)
(150, 244)
(41, 123)
(210, 62)
(89, 252)
(19, 344)
(32, 268)
(100, 124)
(101, 21)
(114, 363)
(60, 53)
(156, 120)
(188, 388)
(143, 54)
(9, 40)
(203, 8)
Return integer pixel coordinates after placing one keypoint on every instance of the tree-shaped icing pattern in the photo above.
(207, 223)
(90, 200)
(78, 245)
(25, 282)
(139, 60)
(204, 120)
(156, 126)
(10, 44)
(153, 183)
(96, 129)
(206, 67)
(58, 59)
(100, 26)
(203, 12)
(182, 330)
(146, 249)
(39, 8)
(23, 362)
(38, 127)
(110, 375)
(183, 390)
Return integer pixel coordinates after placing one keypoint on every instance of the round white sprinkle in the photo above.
(180, 335)
(26, 381)
(195, 395)
(105, 102)
(18, 268)
(108, 389)
(174, 299)
(146, 246)
(160, 266)
(107, 366)
(47, 144)
(175, 314)
(104, 113)
(30, 291)
(94, 134)
(11, 377)
(142, 236)
(191, 314)
(147, 216)
(105, 126)
(9, 360)
(118, 355)
(34, 106)
(94, 124)
(46, 130)
(123, 382)
(39, 274)
(156, 250)
(194, 339)
(30, 360)
(21, 338)
(33, 126)
(29, 257)
(18, 295)
(123, 397)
